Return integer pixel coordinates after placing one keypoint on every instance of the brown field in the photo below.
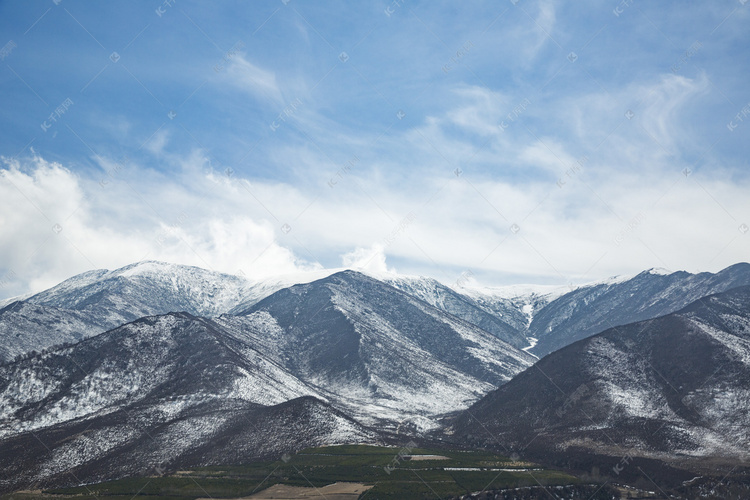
(336, 491)
(426, 457)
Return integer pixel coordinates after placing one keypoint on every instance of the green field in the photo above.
(404, 478)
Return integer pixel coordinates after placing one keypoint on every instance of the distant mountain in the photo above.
(499, 315)
(594, 308)
(96, 301)
(672, 388)
(379, 354)
(146, 288)
(537, 319)
(26, 327)
(163, 391)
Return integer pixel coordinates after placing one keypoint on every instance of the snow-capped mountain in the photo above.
(377, 353)
(538, 319)
(345, 353)
(672, 388)
(96, 301)
(26, 327)
(498, 314)
(163, 391)
(593, 308)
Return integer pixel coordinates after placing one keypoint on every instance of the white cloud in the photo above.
(627, 208)
(54, 224)
(253, 79)
(367, 259)
(157, 142)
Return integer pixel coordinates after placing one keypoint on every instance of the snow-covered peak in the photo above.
(510, 292)
(659, 271)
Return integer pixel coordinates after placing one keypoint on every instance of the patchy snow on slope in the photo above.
(623, 377)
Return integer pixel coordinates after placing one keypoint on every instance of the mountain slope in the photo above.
(96, 301)
(25, 327)
(502, 318)
(171, 389)
(144, 289)
(591, 309)
(155, 360)
(143, 441)
(675, 386)
(377, 351)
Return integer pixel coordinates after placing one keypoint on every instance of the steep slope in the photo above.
(673, 387)
(176, 356)
(517, 303)
(25, 327)
(167, 390)
(377, 353)
(591, 309)
(142, 441)
(503, 319)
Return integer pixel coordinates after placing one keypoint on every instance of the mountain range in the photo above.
(158, 366)
(538, 319)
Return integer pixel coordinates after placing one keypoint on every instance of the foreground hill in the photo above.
(163, 391)
(675, 388)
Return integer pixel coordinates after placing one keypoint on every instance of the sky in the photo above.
(514, 141)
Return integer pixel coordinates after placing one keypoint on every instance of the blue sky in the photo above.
(530, 141)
